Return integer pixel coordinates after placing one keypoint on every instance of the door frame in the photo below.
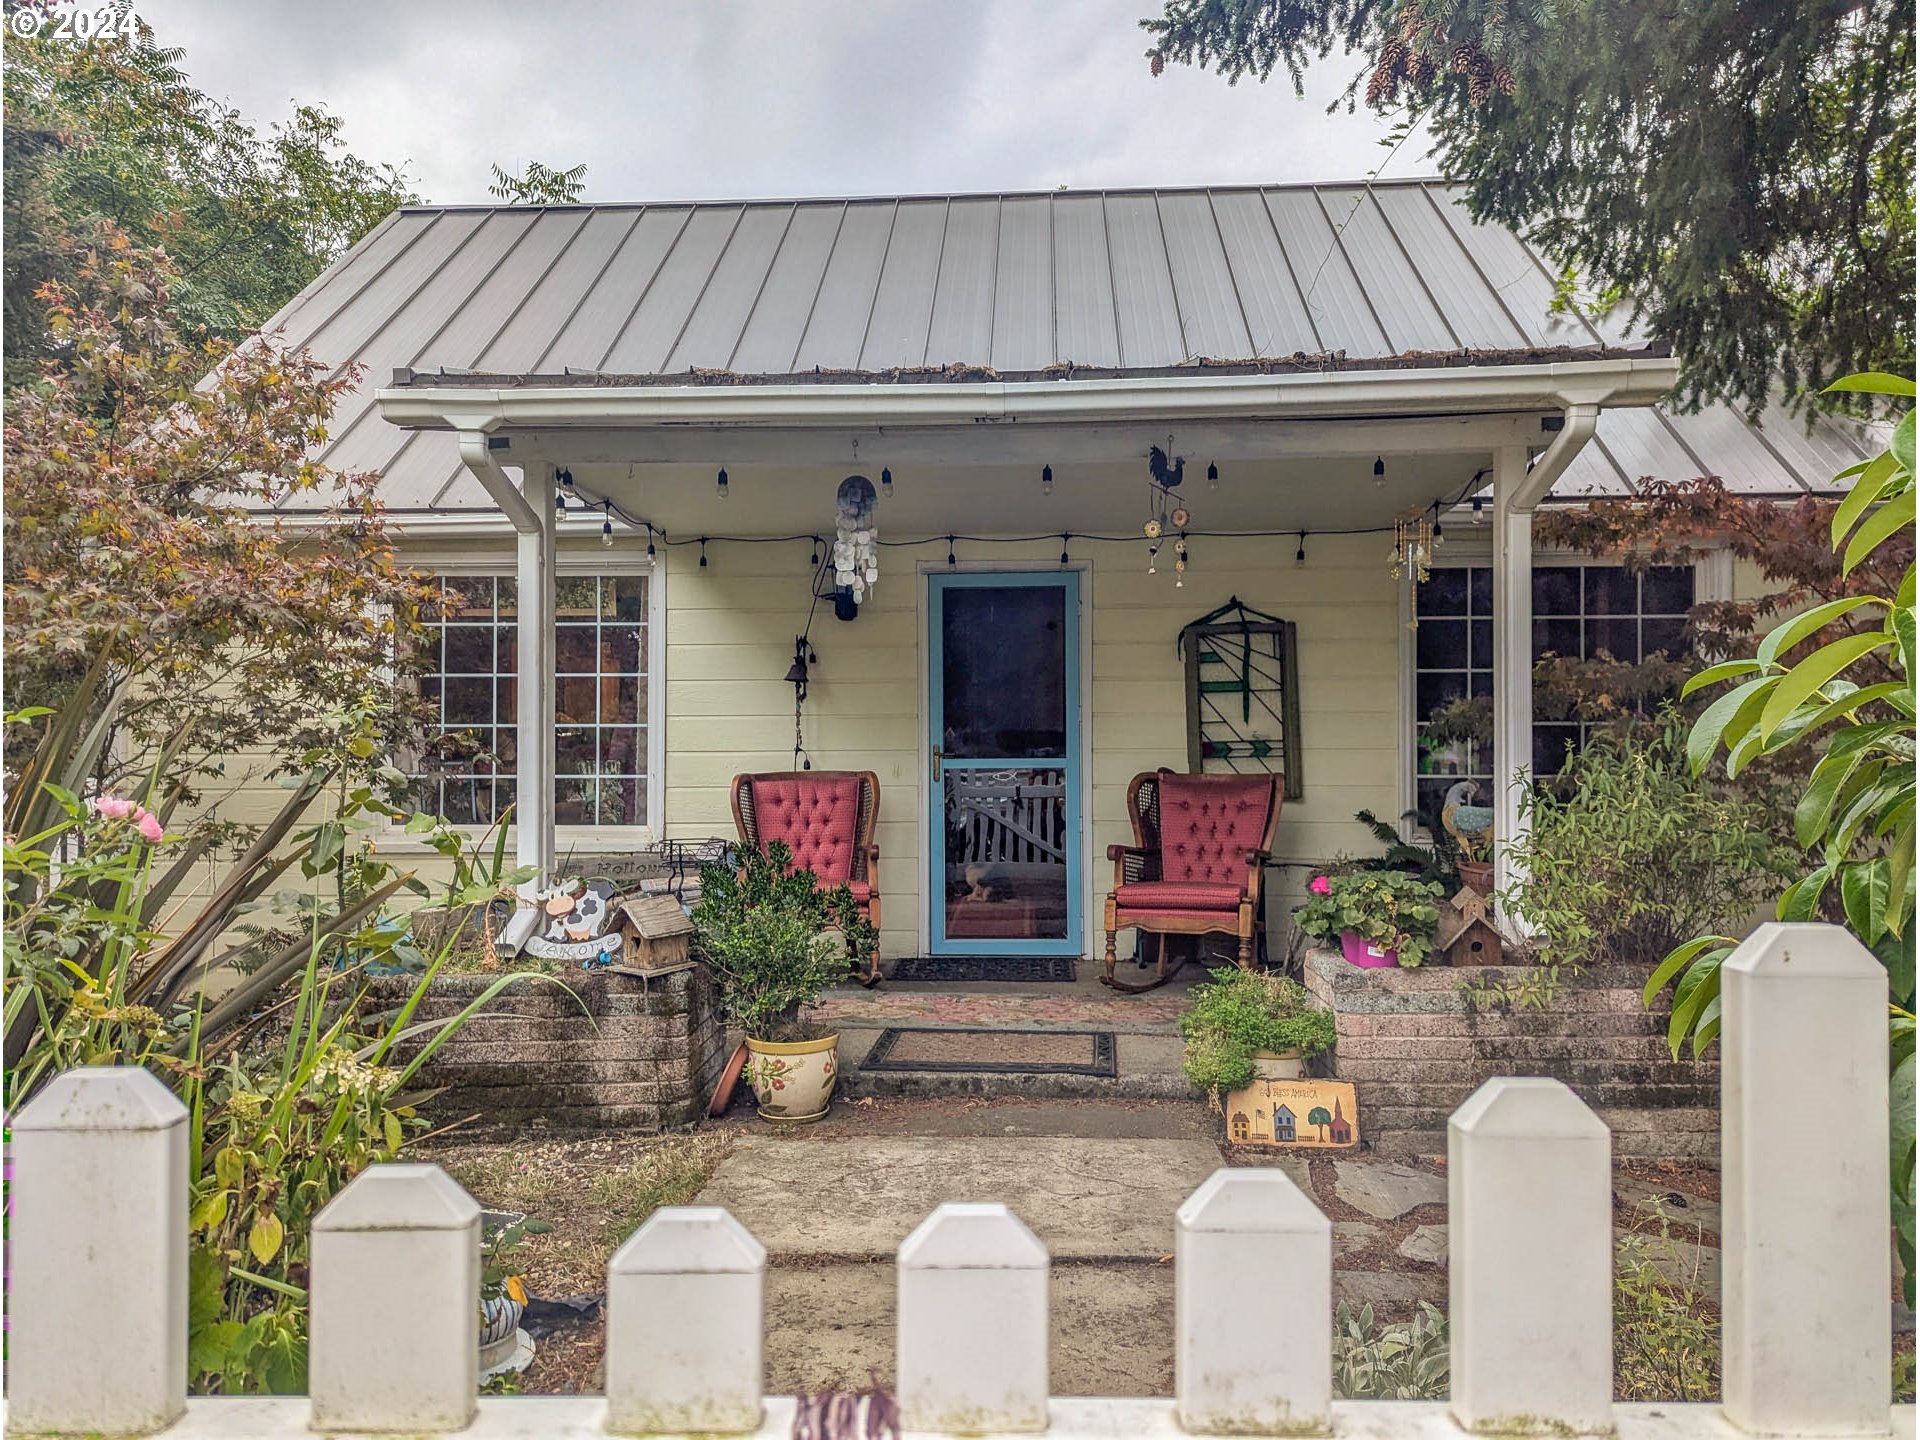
(1081, 894)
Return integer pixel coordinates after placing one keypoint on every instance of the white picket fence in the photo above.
(99, 1304)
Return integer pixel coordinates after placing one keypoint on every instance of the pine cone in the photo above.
(1156, 63)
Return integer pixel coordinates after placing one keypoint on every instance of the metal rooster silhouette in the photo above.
(1167, 477)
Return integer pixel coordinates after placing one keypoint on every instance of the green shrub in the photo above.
(1387, 908)
(1666, 1344)
(762, 929)
(1242, 1011)
(1628, 853)
(1403, 1361)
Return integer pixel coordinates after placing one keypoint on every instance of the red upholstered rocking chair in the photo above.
(826, 818)
(1202, 843)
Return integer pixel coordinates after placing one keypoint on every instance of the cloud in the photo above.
(738, 98)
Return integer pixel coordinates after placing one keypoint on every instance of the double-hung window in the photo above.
(1579, 612)
(601, 738)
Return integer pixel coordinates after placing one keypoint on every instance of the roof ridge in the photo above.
(1064, 192)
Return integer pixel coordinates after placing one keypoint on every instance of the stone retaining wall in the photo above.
(1416, 1045)
(592, 1050)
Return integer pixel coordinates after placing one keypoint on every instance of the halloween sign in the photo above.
(1306, 1114)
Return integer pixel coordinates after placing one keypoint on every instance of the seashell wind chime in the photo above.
(856, 549)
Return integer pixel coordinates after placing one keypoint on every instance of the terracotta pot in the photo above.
(1477, 875)
(1366, 955)
(794, 1081)
(1279, 1064)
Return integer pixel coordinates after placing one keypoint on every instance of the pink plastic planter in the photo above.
(1358, 952)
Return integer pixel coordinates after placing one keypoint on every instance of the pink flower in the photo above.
(1320, 885)
(113, 808)
(149, 826)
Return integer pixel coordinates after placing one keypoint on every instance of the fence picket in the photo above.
(1253, 1307)
(394, 1309)
(973, 1323)
(1530, 1260)
(686, 1314)
(1806, 1218)
(97, 1278)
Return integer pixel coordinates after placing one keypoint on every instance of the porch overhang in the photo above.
(538, 403)
(540, 423)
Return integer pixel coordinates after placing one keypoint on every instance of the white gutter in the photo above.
(1554, 460)
(477, 456)
(1190, 395)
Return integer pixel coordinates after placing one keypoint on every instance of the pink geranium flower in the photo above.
(1320, 885)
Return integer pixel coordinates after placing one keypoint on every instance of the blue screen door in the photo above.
(1004, 681)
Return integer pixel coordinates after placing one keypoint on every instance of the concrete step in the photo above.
(1148, 1066)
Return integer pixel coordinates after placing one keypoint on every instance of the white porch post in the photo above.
(1517, 488)
(1513, 655)
(529, 506)
(534, 712)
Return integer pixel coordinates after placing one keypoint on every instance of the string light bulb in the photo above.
(1153, 552)
(703, 552)
(1379, 470)
(951, 561)
(886, 482)
(606, 524)
(1300, 555)
(650, 550)
(1046, 479)
(721, 485)
(1479, 515)
(1213, 476)
(1065, 559)
(559, 505)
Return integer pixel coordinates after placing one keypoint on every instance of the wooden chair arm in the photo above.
(1120, 852)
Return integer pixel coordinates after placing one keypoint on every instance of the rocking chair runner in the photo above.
(1202, 843)
(826, 818)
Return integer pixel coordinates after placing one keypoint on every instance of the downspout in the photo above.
(1517, 489)
(534, 716)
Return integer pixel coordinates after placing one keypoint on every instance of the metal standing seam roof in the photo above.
(1054, 284)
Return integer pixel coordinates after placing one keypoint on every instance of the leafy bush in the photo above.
(1387, 908)
(762, 929)
(1630, 852)
(1242, 1011)
(1403, 1361)
(1666, 1344)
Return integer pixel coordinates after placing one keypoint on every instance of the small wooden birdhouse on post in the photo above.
(656, 937)
(1467, 934)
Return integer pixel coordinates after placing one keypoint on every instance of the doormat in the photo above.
(952, 969)
(995, 1052)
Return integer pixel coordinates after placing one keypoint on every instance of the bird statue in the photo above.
(1471, 825)
(1166, 476)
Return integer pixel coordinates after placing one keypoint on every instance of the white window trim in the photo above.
(570, 561)
(1712, 581)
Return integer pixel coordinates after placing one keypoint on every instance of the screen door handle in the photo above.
(936, 762)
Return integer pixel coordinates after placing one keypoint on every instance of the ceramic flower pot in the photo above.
(1365, 954)
(793, 1081)
(1279, 1065)
(504, 1346)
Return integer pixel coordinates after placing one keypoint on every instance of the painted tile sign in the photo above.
(1310, 1114)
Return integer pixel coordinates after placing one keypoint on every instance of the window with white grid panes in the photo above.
(600, 699)
(1579, 612)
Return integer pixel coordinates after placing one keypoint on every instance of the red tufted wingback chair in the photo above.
(826, 818)
(1201, 847)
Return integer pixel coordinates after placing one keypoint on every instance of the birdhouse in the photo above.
(656, 937)
(1467, 934)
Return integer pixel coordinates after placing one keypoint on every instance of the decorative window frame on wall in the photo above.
(573, 561)
(1284, 634)
(1712, 581)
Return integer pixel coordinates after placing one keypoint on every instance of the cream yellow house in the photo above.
(618, 434)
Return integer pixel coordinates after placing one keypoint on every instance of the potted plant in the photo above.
(766, 929)
(1249, 1024)
(1383, 917)
(503, 1292)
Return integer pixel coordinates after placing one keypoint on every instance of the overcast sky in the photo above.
(709, 99)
